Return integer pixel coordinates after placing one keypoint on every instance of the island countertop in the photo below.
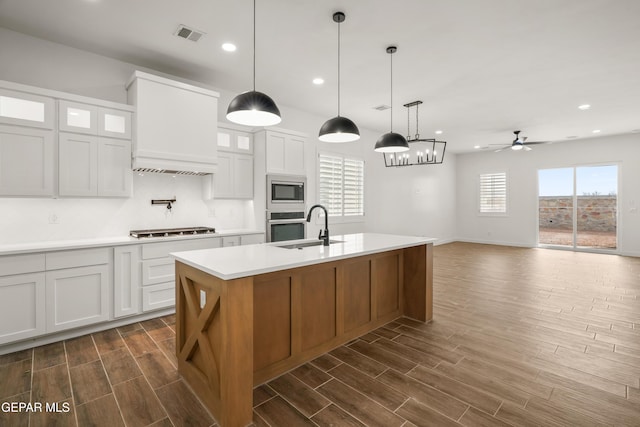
(242, 261)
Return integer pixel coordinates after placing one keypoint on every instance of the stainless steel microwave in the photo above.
(286, 193)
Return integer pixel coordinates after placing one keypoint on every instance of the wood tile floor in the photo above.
(523, 337)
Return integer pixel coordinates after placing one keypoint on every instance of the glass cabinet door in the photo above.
(77, 117)
(24, 109)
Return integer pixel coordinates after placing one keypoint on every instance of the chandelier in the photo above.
(422, 151)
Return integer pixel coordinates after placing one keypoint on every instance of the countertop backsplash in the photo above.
(24, 220)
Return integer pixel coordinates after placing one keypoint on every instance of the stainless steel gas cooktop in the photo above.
(166, 232)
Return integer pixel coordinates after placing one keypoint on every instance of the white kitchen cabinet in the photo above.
(175, 124)
(26, 161)
(114, 123)
(91, 119)
(78, 167)
(77, 117)
(26, 109)
(94, 166)
(114, 167)
(77, 297)
(230, 241)
(233, 180)
(78, 284)
(234, 139)
(284, 152)
(22, 306)
(126, 280)
(158, 270)
(251, 239)
(234, 176)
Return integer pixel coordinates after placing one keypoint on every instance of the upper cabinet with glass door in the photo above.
(234, 139)
(26, 109)
(94, 120)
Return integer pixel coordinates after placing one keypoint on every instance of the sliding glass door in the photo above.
(577, 207)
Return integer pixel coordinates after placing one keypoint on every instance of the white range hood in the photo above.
(175, 126)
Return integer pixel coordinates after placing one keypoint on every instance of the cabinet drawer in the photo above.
(77, 258)
(22, 305)
(19, 264)
(230, 241)
(163, 249)
(158, 296)
(158, 270)
(251, 239)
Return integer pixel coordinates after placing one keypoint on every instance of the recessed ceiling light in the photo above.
(584, 107)
(596, 131)
(229, 47)
(318, 81)
(572, 137)
(438, 132)
(477, 147)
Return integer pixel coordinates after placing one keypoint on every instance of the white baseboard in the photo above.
(73, 333)
(494, 242)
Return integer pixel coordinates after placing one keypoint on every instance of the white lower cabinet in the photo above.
(158, 270)
(252, 239)
(22, 306)
(230, 241)
(126, 280)
(77, 297)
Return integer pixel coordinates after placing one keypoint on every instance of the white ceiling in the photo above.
(483, 68)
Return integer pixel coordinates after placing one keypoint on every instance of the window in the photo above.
(493, 193)
(341, 185)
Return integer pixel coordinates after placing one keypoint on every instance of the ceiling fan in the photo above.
(520, 143)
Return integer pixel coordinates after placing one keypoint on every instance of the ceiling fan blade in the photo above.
(537, 142)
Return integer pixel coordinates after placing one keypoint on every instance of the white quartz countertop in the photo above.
(241, 261)
(58, 245)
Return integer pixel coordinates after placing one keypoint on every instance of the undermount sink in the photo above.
(302, 245)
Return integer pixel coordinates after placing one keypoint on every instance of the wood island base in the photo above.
(235, 334)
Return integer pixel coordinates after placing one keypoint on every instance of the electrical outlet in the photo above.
(53, 218)
(203, 299)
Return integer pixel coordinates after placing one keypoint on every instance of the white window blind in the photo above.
(341, 184)
(493, 193)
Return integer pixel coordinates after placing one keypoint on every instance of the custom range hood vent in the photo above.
(142, 171)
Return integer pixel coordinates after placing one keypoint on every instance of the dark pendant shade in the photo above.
(339, 129)
(253, 108)
(391, 142)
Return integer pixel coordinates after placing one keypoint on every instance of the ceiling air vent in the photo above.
(188, 33)
(382, 107)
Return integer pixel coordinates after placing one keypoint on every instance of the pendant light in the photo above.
(391, 142)
(253, 108)
(339, 129)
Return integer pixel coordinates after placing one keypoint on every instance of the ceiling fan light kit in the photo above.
(339, 129)
(253, 108)
(391, 142)
(428, 151)
(520, 143)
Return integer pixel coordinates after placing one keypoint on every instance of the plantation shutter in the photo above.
(493, 193)
(331, 183)
(341, 185)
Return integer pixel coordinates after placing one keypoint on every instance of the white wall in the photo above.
(32, 61)
(414, 200)
(519, 227)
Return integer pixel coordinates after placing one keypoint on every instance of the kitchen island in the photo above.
(247, 314)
